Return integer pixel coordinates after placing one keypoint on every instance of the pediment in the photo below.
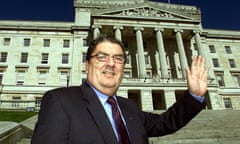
(143, 11)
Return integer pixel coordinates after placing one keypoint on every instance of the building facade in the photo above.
(160, 40)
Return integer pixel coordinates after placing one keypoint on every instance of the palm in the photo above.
(197, 77)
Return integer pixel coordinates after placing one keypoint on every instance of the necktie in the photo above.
(122, 132)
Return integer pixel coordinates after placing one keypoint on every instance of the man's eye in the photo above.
(102, 56)
(119, 58)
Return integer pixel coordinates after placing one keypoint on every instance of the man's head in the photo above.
(105, 64)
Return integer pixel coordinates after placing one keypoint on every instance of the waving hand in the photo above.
(197, 76)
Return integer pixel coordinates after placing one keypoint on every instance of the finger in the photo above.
(205, 74)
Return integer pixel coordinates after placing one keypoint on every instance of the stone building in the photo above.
(161, 39)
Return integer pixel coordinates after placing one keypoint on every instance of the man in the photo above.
(84, 115)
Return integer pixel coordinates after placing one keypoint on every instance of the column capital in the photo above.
(197, 31)
(117, 27)
(178, 30)
(96, 26)
(158, 29)
(138, 28)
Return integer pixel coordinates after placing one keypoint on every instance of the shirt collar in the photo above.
(101, 96)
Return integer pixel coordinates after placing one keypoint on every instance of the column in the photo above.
(202, 52)
(146, 100)
(118, 34)
(140, 52)
(96, 31)
(76, 70)
(162, 53)
(216, 100)
(182, 54)
(123, 92)
(169, 96)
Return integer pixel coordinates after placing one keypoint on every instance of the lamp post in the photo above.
(1, 90)
(68, 79)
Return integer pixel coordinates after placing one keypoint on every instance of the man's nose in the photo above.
(110, 60)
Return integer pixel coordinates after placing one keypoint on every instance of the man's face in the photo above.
(105, 68)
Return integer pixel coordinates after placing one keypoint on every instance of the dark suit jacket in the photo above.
(75, 116)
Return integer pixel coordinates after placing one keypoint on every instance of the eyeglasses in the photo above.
(103, 57)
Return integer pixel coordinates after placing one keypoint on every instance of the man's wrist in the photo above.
(198, 98)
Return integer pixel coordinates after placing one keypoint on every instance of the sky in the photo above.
(216, 14)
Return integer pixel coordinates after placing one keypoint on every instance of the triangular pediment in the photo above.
(142, 11)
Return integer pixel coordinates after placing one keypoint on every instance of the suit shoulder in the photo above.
(63, 92)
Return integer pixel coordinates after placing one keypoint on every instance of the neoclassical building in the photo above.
(160, 40)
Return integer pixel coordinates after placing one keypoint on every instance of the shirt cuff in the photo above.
(198, 98)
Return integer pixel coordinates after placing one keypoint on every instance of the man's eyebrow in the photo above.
(101, 52)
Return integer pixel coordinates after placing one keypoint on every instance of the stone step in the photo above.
(214, 133)
(198, 141)
(24, 141)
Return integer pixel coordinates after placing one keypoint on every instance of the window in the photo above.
(64, 78)
(20, 77)
(44, 58)
(6, 41)
(1, 76)
(147, 60)
(227, 103)
(220, 80)
(42, 77)
(228, 50)
(215, 62)
(84, 57)
(16, 101)
(128, 59)
(85, 42)
(26, 42)
(236, 79)
(232, 63)
(24, 57)
(46, 42)
(127, 74)
(38, 101)
(148, 74)
(3, 57)
(65, 58)
(212, 49)
(66, 43)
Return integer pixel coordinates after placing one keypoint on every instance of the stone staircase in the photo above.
(24, 141)
(209, 127)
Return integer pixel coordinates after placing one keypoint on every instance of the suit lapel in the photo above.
(98, 113)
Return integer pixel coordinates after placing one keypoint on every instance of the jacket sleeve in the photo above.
(176, 117)
(52, 123)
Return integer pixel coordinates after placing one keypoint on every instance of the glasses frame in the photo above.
(104, 57)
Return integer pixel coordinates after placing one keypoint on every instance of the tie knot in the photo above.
(111, 101)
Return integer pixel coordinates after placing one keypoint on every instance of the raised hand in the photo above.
(197, 76)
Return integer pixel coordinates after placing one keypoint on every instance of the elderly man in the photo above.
(93, 114)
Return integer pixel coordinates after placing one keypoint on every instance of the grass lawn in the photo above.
(15, 116)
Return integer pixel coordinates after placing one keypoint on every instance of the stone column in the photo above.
(146, 100)
(169, 96)
(140, 52)
(118, 34)
(203, 53)
(96, 31)
(162, 53)
(182, 54)
(76, 72)
(216, 100)
(123, 92)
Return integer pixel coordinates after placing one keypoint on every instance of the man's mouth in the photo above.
(108, 72)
